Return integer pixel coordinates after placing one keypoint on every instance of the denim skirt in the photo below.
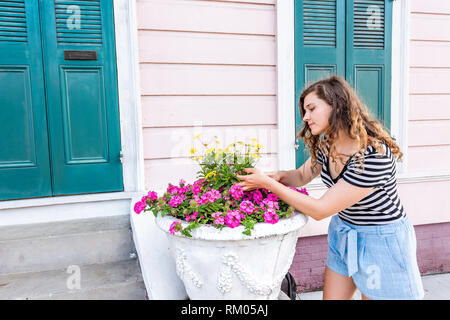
(381, 259)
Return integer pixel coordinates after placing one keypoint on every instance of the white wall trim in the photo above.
(286, 81)
(286, 84)
(129, 94)
(400, 78)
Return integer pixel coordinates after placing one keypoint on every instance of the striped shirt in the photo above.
(382, 205)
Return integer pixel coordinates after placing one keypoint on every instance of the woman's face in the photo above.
(317, 113)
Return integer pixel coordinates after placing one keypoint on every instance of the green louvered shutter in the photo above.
(369, 41)
(319, 48)
(82, 96)
(24, 156)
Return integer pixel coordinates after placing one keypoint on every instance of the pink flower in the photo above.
(175, 201)
(271, 204)
(247, 207)
(153, 195)
(257, 196)
(210, 196)
(172, 189)
(174, 227)
(272, 197)
(270, 217)
(196, 188)
(236, 191)
(219, 220)
(233, 219)
(139, 207)
(182, 182)
(198, 200)
(216, 214)
(301, 190)
(194, 215)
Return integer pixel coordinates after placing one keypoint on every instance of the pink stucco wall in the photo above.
(429, 112)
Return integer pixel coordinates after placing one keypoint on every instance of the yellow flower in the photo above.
(219, 152)
(253, 140)
(212, 173)
(209, 150)
(193, 150)
(196, 137)
(230, 145)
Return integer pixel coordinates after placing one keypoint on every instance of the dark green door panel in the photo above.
(24, 159)
(85, 138)
(319, 49)
(82, 97)
(369, 43)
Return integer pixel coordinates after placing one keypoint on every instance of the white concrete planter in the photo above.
(226, 264)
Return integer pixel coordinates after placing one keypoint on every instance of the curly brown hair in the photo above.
(349, 114)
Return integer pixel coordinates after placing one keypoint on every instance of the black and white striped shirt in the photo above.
(382, 205)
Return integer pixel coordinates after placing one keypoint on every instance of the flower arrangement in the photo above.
(215, 198)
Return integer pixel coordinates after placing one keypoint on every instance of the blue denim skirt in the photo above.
(381, 259)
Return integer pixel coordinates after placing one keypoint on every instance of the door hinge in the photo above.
(121, 156)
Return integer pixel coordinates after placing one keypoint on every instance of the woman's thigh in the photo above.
(337, 286)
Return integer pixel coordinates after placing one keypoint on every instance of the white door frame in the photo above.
(126, 30)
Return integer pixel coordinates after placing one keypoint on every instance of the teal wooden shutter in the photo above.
(319, 48)
(82, 96)
(24, 158)
(369, 41)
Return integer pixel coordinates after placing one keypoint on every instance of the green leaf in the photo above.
(186, 233)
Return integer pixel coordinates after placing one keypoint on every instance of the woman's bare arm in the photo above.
(298, 177)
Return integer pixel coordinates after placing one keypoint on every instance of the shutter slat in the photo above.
(83, 29)
(368, 25)
(13, 24)
(319, 23)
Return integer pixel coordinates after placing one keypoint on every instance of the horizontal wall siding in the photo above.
(189, 79)
(165, 143)
(206, 67)
(182, 111)
(429, 112)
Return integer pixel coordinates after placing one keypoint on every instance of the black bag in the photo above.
(289, 286)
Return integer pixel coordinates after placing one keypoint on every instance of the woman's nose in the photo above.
(306, 117)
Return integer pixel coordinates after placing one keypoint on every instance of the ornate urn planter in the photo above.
(226, 264)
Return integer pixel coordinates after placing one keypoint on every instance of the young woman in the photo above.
(371, 242)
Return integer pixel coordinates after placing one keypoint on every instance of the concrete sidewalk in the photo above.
(436, 286)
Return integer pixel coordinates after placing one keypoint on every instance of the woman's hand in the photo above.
(255, 180)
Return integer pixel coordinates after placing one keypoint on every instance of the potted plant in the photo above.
(227, 243)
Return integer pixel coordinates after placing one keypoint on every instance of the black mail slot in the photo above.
(80, 55)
